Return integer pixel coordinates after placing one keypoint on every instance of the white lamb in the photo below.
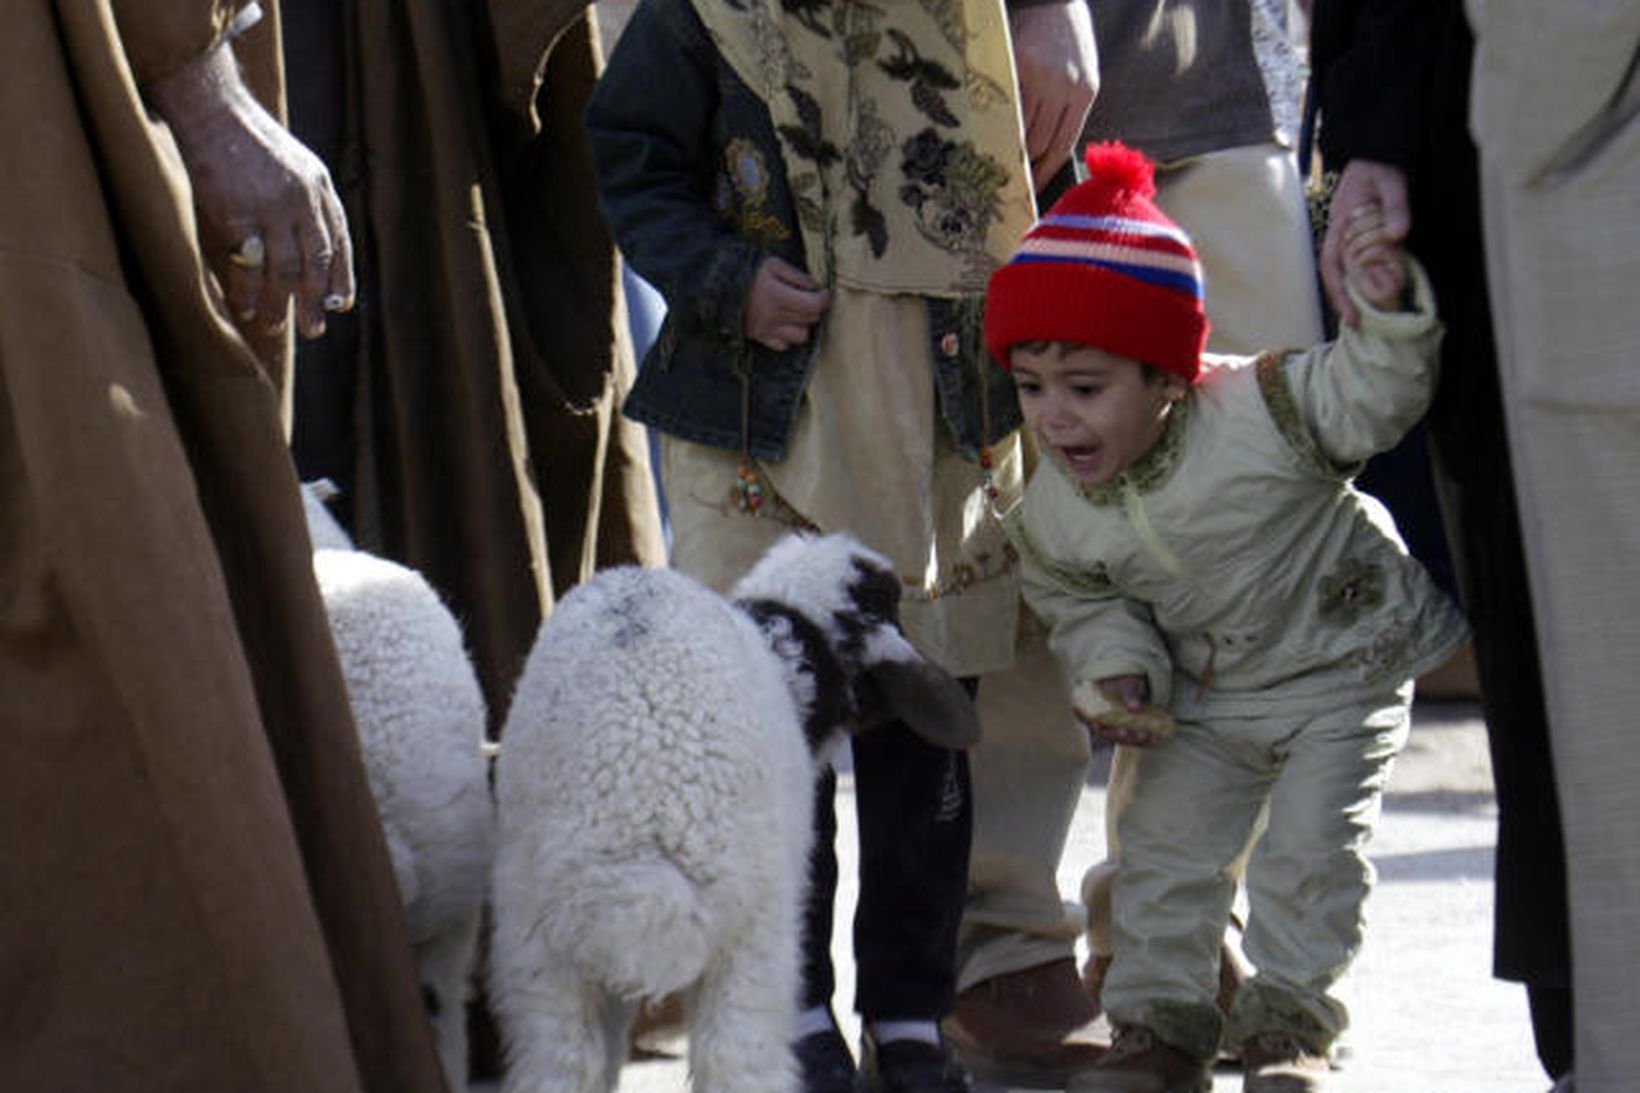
(655, 790)
(420, 716)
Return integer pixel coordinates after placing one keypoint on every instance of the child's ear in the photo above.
(1173, 386)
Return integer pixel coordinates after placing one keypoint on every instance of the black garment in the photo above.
(1393, 80)
(915, 819)
(327, 368)
(1552, 1022)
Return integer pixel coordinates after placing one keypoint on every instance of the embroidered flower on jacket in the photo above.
(923, 159)
(1385, 654)
(744, 192)
(927, 79)
(1351, 590)
(953, 188)
(872, 144)
(748, 171)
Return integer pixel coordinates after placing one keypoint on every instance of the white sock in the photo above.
(816, 1020)
(885, 1032)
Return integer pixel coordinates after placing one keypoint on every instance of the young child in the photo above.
(821, 194)
(1223, 598)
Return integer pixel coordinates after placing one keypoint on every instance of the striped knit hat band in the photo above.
(1158, 254)
(1105, 267)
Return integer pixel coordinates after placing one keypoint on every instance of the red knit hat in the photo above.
(1105, 267)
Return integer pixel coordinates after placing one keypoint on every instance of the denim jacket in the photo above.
(693, 185)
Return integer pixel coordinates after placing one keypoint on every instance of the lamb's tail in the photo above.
(639, 927)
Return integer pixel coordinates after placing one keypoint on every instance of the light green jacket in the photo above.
(1236, 553)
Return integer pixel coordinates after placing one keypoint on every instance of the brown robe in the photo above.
(194, 890)
(481, 435)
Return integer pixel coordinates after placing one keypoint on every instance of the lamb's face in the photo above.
(838, 609)
(865, 627)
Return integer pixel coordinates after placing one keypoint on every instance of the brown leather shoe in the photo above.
(1138, 1062)
(1275, 1062)
(1034, 1027)
(1231, 976)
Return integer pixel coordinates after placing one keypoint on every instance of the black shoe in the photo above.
(910, 1066)
(826, 1066)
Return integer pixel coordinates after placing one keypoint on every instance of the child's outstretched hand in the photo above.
(783, 305)
(1117, 709)
(1374, 261)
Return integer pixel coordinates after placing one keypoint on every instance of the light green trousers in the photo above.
(1197, 796)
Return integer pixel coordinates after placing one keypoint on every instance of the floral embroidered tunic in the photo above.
(880, 149)
(901, 142)
(1236, 555)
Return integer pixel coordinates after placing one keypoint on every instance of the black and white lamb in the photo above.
(655, 792)
(420, 716)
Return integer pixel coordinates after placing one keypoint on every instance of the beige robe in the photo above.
(194, 891)
(1554, 108)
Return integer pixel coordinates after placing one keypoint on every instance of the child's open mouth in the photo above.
(1083, 462)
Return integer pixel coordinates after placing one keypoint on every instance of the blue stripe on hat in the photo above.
(1162, 278)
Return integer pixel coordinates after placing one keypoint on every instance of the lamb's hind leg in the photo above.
(446, 966)
(743, 1016)
(557, 1029)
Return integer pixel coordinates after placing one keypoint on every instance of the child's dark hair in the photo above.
(1152, 373)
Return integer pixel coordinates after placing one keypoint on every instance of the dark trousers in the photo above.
(915, 813)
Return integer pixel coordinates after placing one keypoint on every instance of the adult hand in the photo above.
(783, 304)
(270, 222)
(1058, 64)
(1362, 186)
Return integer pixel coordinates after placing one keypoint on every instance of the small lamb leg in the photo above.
(557, 1031)
(618, 1018)
(743, 1016)
(446, 966)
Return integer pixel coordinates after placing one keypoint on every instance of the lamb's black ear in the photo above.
(929, 699)
(899, 683)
